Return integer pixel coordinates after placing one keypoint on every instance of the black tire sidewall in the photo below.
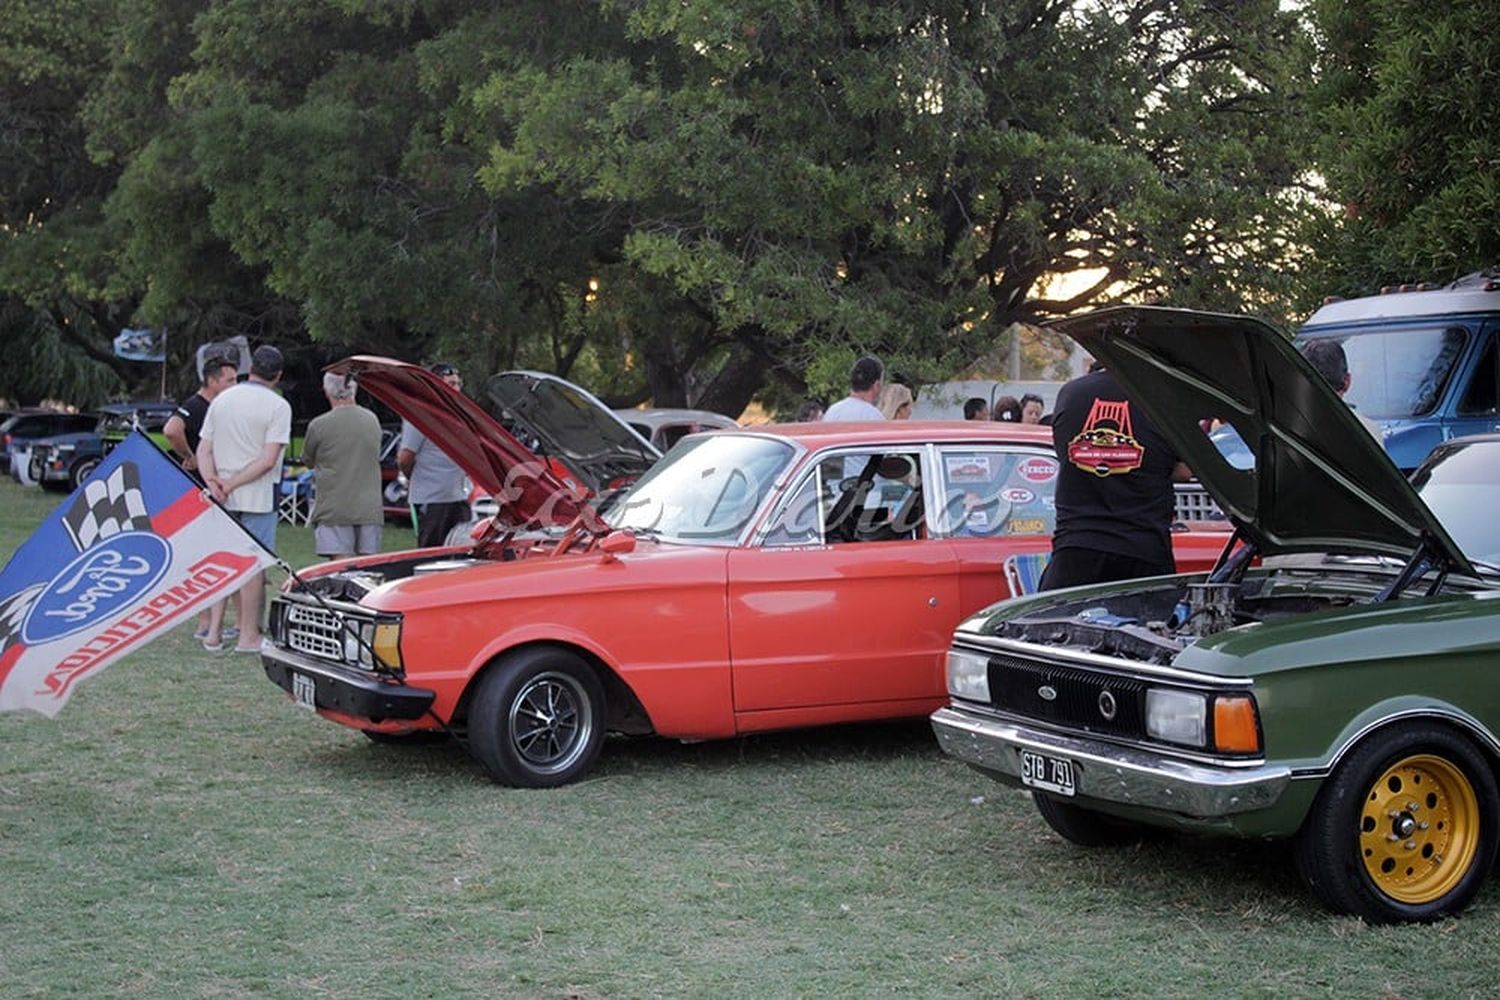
(1085, 827)
(80, 471)
(1327, 847)
(489, 717)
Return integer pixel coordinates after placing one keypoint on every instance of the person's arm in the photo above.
(268, 459)
(405, 459)
(310, 447)
(1181, 473)
(175, 431)
(208, 470)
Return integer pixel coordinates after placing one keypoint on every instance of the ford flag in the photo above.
(135, 550)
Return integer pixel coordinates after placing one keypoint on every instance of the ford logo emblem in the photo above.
(102, 581)
(1107, 706)
(1047, 692)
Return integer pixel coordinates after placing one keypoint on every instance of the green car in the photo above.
(1334, 680)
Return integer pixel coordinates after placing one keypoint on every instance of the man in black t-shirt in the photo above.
(186, 422)
(1114, 488)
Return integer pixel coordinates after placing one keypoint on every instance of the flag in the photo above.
(136, 549)
(141, 345)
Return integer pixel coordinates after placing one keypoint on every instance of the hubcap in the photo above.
(1419, 829)
(551, 721)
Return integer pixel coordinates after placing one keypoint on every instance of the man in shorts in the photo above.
(244, 435)
(343, 448)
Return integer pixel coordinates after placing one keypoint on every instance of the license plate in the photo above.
(304, 692)
(1050, 774)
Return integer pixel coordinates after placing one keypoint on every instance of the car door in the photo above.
(842, 606)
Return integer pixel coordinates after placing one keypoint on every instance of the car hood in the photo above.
(1321, 482)
(571, 425)
(527, 490)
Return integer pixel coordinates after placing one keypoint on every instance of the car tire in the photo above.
(1085, 827)
(415, 738)
(81, 470)
(1405, 829)
(537, 719)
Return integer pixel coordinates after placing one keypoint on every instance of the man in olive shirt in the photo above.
(343, 448)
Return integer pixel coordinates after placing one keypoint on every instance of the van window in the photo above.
(1401, 373)
(1481, 397)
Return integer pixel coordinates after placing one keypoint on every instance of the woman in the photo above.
(895, 402)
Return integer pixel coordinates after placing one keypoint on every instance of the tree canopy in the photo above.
(692, 202)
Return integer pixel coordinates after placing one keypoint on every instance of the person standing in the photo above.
(1007, 410)
(895, 402)
(342, 448)
(245, 433)
(1031, 408)
(975, 408)
(1328, 357)
(182, 431)
(1114, 487)
(864, 388)
(436, 486)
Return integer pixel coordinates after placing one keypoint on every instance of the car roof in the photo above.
(822, 434)
(1476, 293)
(133, 407)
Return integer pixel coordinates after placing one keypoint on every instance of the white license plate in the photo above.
(1050, 774)
(304, 691)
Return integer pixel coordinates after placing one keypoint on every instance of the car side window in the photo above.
(992, 492)
(854, 497)
(1481, 397)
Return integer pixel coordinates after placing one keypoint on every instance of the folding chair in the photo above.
(1023, 571)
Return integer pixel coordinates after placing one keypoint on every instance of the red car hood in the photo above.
(527, 491)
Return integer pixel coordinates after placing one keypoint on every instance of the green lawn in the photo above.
(182, 830)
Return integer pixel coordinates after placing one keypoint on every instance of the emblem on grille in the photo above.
(1047, 692)
(1107, 706)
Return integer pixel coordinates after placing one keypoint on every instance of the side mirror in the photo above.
(616, 544)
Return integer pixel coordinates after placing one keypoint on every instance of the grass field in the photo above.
(182, 830)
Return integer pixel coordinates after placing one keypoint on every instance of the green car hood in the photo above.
(1321, 482)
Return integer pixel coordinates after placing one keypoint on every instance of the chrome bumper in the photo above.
(1110, 773)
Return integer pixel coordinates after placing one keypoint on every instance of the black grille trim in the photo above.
(1016, 685)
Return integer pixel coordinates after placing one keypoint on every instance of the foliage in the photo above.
(1411, 148)
(687, 201)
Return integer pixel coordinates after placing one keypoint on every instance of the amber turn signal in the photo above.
(1235, 728)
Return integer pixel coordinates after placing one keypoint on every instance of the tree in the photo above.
(1411, 149)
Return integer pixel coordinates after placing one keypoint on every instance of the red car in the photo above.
(754, 579)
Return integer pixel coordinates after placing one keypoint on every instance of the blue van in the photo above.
(1423, 363)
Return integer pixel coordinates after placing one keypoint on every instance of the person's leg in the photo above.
(1072, 567)
(367, 538)
(334, 541)
(251, 597)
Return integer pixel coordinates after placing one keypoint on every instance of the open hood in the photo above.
(569, 424)
(527, 490)
(1320, 482)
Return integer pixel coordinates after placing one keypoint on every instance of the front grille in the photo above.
(1079, 697)
(309, 629)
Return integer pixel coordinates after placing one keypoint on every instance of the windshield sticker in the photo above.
(1107, 446)
(968, 468)
(1038, 470)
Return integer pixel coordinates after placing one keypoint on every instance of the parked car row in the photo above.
(58, 450)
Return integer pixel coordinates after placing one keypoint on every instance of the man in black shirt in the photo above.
(1114, 488)
(186, 422)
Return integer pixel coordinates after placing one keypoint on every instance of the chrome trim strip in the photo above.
(1469, 725)
(1049, 654)
(1160, 749)
(1112, 774)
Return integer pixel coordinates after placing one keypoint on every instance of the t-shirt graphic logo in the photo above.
(1107, 446)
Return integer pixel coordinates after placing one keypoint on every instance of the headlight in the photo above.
(64, 448)
(1176, 716)
(363, 641)
(968, 675)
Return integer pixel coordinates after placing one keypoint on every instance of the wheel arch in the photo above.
(1381, 719)
(624, 711)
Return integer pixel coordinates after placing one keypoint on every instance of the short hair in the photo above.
(339, 386)
(810, 411)
(213, 364)
(1327, 356)
(443, 369)
(866, 372)
(974, 406)
(266, 362)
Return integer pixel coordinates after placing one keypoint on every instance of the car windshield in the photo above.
(706, 490)
(1395, 374)
(1460, 489)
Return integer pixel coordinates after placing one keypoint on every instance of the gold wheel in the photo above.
(1419, 829)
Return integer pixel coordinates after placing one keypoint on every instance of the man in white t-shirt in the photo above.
(864, 389)
(244, 434)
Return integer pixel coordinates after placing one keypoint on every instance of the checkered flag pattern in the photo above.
(13, 612)
(107, 507)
